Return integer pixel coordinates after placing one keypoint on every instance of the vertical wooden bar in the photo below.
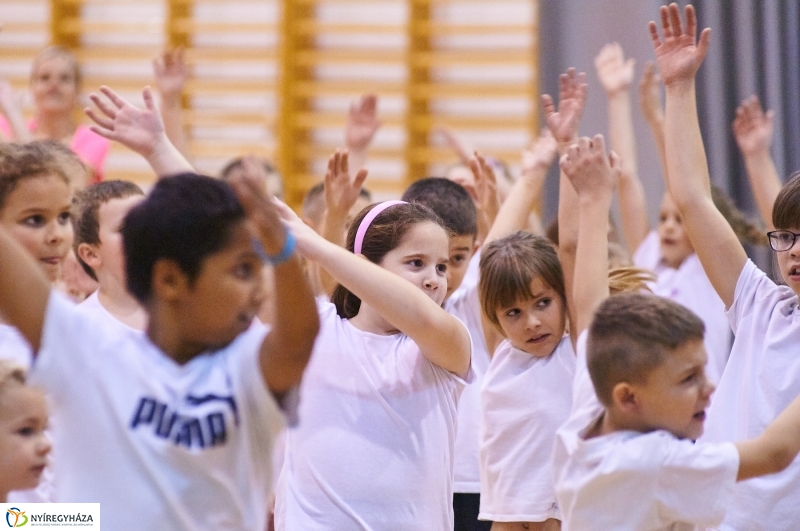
(179, 14)
(293, 160)
(535, 72)
(418, 126)
(65, 18)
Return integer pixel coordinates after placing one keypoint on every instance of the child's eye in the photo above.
(441, 268)
(513, 312)
(690, 378)
(63, 218)
(243, 271)
(34, 221)
(416, 263)
(27, 431)
(457, 259)
(543, 303)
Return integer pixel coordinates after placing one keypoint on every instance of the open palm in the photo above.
(679, 54)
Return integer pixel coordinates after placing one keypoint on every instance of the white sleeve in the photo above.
(696, 481)
(755, 292)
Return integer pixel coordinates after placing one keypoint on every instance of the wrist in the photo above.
(620, 94)
(680, 86)
(274, 255)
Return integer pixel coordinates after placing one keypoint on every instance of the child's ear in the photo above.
(88, 253)
(475, 246)
(625, 398)
(169, 281)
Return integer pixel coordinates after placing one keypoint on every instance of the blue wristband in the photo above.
(275, 259)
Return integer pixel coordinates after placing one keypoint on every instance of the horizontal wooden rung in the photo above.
(310, 89)
(314, 28)
(350, 56)
(232, 86)
(226, 118)
(187, 26)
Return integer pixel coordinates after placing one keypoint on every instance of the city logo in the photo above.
(18, 515)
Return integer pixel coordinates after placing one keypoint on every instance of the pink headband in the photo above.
(367, 221)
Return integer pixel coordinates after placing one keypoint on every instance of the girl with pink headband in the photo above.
(374, 445)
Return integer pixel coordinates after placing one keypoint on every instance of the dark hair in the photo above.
(186, 218)
(35, 159)
(746, 230)
(632, 334)
(85, 208)
(385, 233)
(786, 210)
(449, 200)
(509, 265)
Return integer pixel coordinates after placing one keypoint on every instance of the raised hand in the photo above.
(591, 172)
(650, 94)
(540, 155)
(170, 72)
(615, 73)
(341, 192)
(362, 122)
(485, 188)
(679, 54)
(139, 129)
(565, 121)
(753, 127)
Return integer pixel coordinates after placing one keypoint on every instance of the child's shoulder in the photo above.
(757, 294)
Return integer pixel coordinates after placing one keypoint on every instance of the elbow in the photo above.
(781, 458)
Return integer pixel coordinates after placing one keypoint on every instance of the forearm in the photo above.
(357, 158)
(171, 114)
(294, 329)
(165, 159)
(568, 237)
(590, 284)
(516, 209)
(764, 181)
(656, 125)
(332, 229)
(24, 290)
(402, 304)
(633, 210)
(620, 130)
(687, 166)
(773, 450)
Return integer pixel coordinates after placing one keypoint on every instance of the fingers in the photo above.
(675, 20)
(103, 106)
(149, 101)
(548, 105)
(104, 122)
(115, 98)
(360, 178)
(691, 21)
(654, 34)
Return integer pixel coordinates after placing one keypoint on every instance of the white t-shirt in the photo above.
(689, 286)
(465, 304)
(14, 347)
(761, 380)
(525, 400)
(633, 480)
(374, 448)
(93, 305)
(160, 446)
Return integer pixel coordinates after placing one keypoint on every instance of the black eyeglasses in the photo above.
(782, 240)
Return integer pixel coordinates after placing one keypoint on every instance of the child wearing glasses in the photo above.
(762, 376)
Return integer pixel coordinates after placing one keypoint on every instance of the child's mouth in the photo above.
(538, 339)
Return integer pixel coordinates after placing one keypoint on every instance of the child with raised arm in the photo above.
(667, 250)
(24, 445)
(763, 375)
(189, 409)
(640, 397)
(379, 399)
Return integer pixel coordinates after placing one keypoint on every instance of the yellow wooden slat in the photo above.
(444, 154)
(471, 122)
(312, 120)
(10, 26)
(349, 56)
(441, 29)
(189, 26)
(229, 86)
(19, 52)
(105, 53)
(76, 26)
(258, 54)
(227, 149)
(348, 88)
(471, 90)
(315, 28)
(214, 117)
(499, 57)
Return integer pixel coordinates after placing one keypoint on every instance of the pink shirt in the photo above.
(90, 147)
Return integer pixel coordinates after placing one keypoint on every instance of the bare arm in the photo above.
(564, 124)
(515, 211)
(488, 200)
(458, 145)
(442, 338)
(753, 131)
(287, 348)
(24, 290)
(616, 76)
(362, 124)
(10, 108)
(593, 175)
(715, 243)
(170, 76)
(650, 103)
(138, 129)
(773, 450)
(341, 193)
